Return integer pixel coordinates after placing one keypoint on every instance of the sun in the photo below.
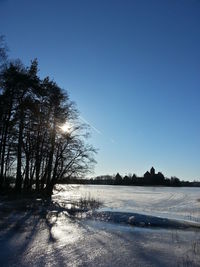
(66, 127)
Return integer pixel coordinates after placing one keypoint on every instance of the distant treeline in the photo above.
(149, 179)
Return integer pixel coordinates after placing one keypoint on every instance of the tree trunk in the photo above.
(50, 162)
(27, 171)
(3, 145)
(18, 183)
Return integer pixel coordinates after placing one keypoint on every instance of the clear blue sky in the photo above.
(132, 67)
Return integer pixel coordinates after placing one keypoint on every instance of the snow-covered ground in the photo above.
(170, 202)
(53, 238)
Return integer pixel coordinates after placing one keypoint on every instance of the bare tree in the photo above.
(31, 118)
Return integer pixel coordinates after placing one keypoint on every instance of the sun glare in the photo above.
(66, 127)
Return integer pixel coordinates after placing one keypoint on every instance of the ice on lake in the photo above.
(53, 238)
(182, 203)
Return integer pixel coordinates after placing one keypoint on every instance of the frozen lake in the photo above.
(53, 238)
(181, 203)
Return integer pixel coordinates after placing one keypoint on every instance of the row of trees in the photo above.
(134, 180)
(35, 149)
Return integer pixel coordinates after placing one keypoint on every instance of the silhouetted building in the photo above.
(153, 178)
(147, 174)
(152, 171)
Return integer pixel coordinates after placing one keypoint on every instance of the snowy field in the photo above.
(171, 202)
(53, 238)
